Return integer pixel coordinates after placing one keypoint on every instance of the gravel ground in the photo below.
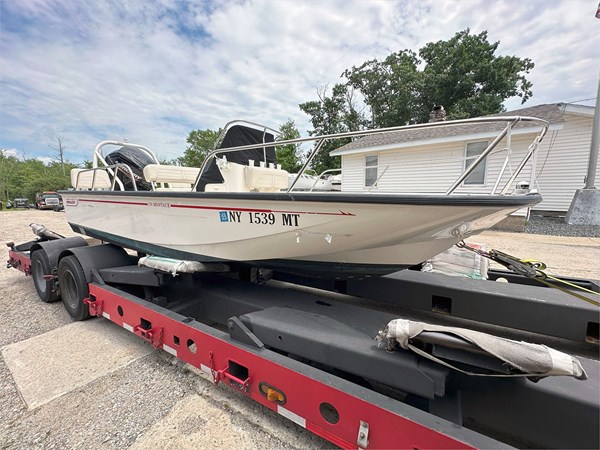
(124, 406)
(556, 226)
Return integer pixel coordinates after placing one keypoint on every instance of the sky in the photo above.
(152, 71)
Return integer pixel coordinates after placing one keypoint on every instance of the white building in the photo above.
(430, 160)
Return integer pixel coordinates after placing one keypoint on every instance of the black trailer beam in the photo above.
(338, 336)
(540, 310)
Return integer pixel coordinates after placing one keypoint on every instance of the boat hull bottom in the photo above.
(318, 269)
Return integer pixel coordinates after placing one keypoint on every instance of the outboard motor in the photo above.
(136, 159)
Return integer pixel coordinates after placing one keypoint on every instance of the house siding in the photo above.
(562, 160)
(566, 156)
(429, 169)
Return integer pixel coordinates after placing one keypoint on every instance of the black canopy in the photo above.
(237, 136)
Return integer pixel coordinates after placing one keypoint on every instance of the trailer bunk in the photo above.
(305, 348)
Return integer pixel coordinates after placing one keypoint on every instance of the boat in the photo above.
(310, 182)
(240, 209)
(336, 182)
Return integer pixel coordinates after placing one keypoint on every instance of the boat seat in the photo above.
(85, 179)
(241, 178)
(265, 179)
(171, 178)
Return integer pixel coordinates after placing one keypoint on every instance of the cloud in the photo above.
(11, 152)
(153, 71)
(45, 159)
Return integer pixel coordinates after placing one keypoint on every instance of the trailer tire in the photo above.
(73, 288)
(40, 266)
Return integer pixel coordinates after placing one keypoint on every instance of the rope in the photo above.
(532, 269)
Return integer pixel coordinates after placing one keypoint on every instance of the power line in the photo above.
(576, 101)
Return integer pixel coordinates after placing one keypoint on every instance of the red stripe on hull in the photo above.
(224, 208)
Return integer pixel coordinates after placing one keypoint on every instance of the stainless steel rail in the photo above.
(510, 121)
(119, 166)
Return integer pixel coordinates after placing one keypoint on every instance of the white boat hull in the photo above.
(283, 230)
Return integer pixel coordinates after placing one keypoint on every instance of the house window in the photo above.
(473, 150)
(371, 170)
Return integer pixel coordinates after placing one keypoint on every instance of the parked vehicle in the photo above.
(21, 203)
(47, 200)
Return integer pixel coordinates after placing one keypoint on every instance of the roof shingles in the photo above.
(549, 112)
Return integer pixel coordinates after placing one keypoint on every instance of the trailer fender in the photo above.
(99, 257)
(54, 248)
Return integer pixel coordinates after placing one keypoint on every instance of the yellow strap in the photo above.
(572, 285)
(567, 291)
(539, 266)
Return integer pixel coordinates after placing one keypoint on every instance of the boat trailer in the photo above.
(304, 347)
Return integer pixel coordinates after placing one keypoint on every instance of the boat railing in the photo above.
(111, 170)
(321, 176)
(99, 155)
(319, 141)
(98, 158)
(376, 182)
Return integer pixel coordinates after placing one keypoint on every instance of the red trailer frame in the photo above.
(298, 396)
(335, 409)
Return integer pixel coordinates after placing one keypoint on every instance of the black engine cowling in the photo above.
(136, 159)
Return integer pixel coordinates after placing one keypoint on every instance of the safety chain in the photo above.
(531, 269)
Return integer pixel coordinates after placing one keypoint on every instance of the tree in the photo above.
(463, 74)
(59, 151)
(25, 178)
(287, 155)
(391, 88)
(337, 113)
(8, 167)
(200, 143)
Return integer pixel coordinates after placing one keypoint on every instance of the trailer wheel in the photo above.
(39, 268)
(73, 288)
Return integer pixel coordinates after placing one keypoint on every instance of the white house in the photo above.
(430, 160)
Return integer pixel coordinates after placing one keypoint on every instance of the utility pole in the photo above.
(585, 206)
(590, 179)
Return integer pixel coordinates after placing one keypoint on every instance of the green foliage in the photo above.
(390, 87)
(329, 115)
(200, 143)
(287, 155)
(463, 74)
(20, 178)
